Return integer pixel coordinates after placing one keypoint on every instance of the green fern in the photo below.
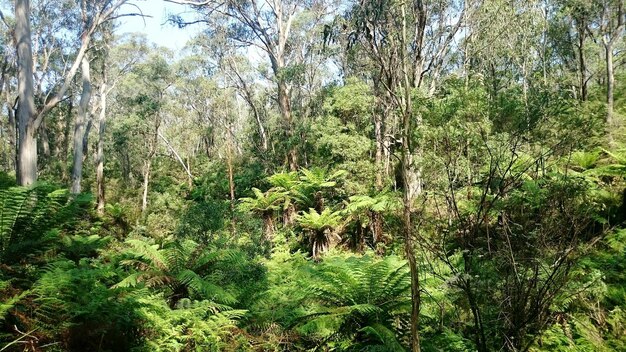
(192, 326)
(361, 302)
(583, 160)
(180, 269)
(320, 227)
(33, 219)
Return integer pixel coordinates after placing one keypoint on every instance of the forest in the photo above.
(313, 175)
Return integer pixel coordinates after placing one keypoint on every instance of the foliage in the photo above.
(319, 176)
(192, 326)
(362, 303)
(321, 226)
(181, 269)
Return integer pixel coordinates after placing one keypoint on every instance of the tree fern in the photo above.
(367, 212)
(320, 227)
(265, 204)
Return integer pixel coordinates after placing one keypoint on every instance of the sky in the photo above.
(155, 28)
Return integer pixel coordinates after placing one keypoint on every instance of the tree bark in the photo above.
(88, 127)
(66, 139)
(148, 163)
(378, 131)
(80, 128)
(610, 83)
(410, 177)
(146, 181)
(609, 37)
(285, 111)
(27, 145)
(268, 226)
(12, 133)
(100, 181)
(231, 178)
(45, 142)
(582, 63)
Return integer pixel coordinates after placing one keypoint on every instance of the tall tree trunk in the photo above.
(409, 174)
(231, 178)
(148, 163)
(27, 145)
(610, 83)
(378, 132)
(178, 157)
(582, 63)
(408, 196)
(612, 33)
(12, 133)
(146, 182)
(88, 127)
(100, 182)
(262, 133)
(79, 127)
(66, 139)
(285, 110)
(45, 142)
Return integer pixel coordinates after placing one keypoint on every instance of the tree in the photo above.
(26, 119)
(269, 27)
(321, 226)
(116, 59)
(398, 38)
(31, 117)
(265, 204)
(83, 110)
(369, 211)
(611, 28)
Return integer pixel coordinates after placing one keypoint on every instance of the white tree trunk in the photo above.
(610, 83)
(146, 182)
(79, 127)
(100, 148)
(27, 145)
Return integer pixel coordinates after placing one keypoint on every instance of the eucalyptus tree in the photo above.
(30, 115)
(206, 89)
(115, 59)
(509, 58)
(409, 44)
(80, 129)
(7, 86)
(125, 56)
(610, 27)
(275, 29)
(142, 97)
(581, 14)
(155, 77)
(241, 74)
